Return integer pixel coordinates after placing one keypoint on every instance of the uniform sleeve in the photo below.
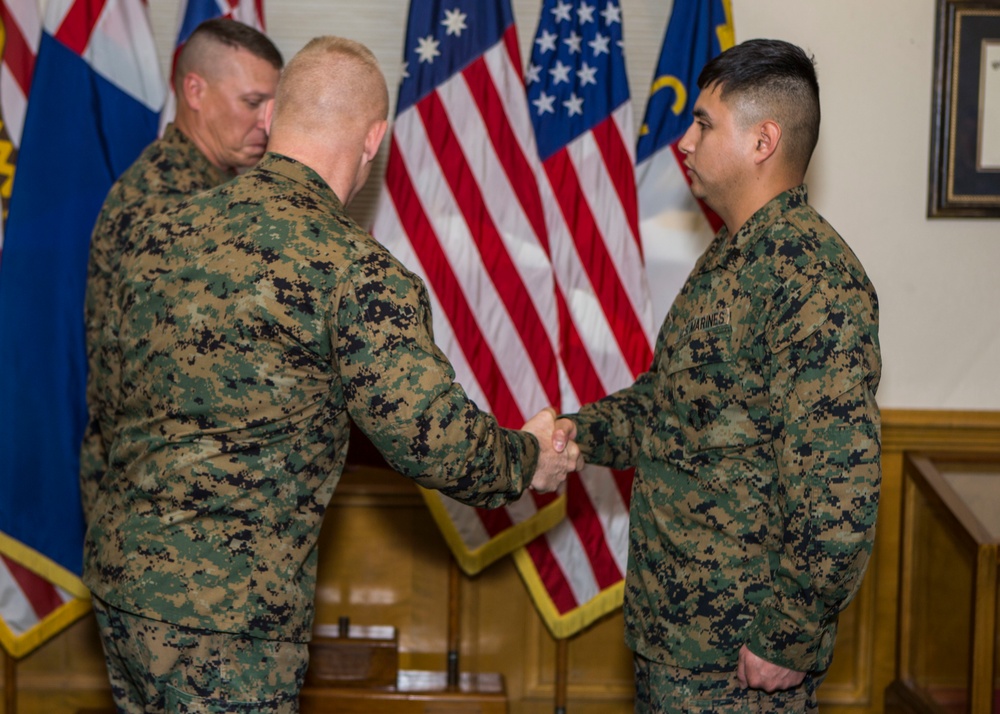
(400, 391)
(608, 430)
(93, 450)
(825, 370)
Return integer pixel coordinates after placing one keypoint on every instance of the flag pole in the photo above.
(9, 683)
(454, 622)
(562, 669)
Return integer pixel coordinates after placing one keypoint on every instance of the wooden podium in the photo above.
(413, 692)
(356, 670)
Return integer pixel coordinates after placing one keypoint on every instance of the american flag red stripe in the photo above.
(582, 373)
(439, 272)
(472, 202)
(42, 596)
(583, 125)
(461, 207)
(78, 24)
(18, 53)
(597, 261)
(494, 115)
(620, 162)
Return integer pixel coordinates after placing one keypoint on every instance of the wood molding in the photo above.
(934, 430)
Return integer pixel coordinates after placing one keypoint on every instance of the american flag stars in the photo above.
(428, 48)
(576, 70)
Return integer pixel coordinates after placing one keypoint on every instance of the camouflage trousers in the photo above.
(159, 668)
(662, 689)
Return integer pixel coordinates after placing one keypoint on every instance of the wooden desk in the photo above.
(948, 607)
(416, 692)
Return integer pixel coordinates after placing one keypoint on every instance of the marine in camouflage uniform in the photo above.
(255, 322)
(168, 171)
(755, 437)
(756, 440)
(223, 76)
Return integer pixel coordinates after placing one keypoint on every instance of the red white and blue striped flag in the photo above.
(21, 30)
(676, 227)
(194, 12)
(93, 106)
(582, 114)
(460, 206)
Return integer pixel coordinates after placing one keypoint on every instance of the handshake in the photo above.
(558, 452)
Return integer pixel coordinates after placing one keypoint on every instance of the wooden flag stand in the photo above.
(9, 683)
(562, 675)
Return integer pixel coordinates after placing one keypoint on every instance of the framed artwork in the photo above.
(965, 120)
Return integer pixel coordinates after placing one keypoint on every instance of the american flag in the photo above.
(582, 114)
(21, 32)
(460, 206)
(194, 12)
(677, 227)
(94, 103)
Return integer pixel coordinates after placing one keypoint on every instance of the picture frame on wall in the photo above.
(965, 118)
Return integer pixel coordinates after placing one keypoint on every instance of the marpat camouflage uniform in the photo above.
(756, 440)
(168, 171)
(256, 319)
(154, 666)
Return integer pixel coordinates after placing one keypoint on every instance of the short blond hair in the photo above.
(331, 79)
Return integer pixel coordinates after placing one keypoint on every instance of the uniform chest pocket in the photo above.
(709, 392)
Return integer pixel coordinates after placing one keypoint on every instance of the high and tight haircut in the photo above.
(340, 77)
(230, 33)
(770, 79)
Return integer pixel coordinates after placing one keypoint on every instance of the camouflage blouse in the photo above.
(168, 171)
(756, 439)
(255, 320)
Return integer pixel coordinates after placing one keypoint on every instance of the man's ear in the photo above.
(268, 115)
(768, 138)
(193, 85)
(374, 139)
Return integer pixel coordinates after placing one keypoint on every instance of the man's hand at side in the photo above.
(757, 673)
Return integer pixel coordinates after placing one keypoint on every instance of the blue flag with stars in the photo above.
(435, 48)
(577, 73)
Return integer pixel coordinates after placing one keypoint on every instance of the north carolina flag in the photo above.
(92, 108)
(461, 207)
(582, 114)
(676, 227)
(194, 12)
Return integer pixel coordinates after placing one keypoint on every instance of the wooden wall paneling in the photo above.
(66, 674)
(600, 665)
(383, 562)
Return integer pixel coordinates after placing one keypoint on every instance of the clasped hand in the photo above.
(558, 454)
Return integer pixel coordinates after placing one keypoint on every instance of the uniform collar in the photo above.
(730, 252)
(177, 140)
(297, 172)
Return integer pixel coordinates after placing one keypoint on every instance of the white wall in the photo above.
(936, 280)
